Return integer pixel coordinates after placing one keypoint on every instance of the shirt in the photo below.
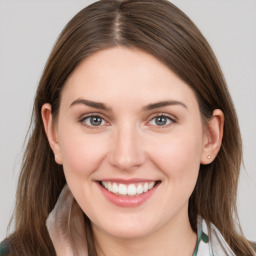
(210, 241)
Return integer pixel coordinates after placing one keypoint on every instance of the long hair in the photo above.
(162, 30)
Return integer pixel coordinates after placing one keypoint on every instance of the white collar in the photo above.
(210, 241)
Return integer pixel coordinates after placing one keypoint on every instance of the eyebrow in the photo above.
(102, 106)
(89, 103)
(164, 104)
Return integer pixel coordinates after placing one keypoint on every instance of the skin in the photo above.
(129, 144)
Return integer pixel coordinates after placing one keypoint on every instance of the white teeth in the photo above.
(151, 185)
(131, 189)
(104, 184)
(115, 188)
(122, 189)
(109, 188)
(139, 189)
(145, 187)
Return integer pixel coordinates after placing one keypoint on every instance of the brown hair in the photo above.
(161, 29)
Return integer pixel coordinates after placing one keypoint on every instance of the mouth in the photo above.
(128, 193)
(130, 189)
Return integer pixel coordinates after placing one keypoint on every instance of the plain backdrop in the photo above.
(28, 30)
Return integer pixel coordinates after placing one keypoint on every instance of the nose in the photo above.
(127, 151)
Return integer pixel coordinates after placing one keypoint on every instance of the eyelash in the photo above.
(96, 115)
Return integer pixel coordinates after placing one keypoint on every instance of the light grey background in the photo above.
(28, 30)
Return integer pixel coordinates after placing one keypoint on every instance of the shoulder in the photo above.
(4, 249)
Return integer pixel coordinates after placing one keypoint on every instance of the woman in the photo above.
(130, 114)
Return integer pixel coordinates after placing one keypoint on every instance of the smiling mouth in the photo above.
(133, 189)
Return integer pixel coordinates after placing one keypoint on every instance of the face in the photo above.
(130, 138)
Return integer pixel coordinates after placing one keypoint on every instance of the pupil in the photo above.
(161, 120)
(95, 120)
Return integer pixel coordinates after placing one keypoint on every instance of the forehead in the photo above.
(125, 74)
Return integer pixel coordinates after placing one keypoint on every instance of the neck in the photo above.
(175, 238)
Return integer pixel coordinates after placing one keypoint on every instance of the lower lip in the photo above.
(128, 201)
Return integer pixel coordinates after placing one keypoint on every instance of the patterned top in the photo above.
(209, 243)
(4, 251)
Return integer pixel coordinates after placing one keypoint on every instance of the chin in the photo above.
(126, 229)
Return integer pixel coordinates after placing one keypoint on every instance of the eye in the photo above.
(161, 120)
(93, 121)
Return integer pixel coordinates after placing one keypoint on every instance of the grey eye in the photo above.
(160, 120)
(94, 121)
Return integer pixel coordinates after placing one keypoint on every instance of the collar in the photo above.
(210, 241)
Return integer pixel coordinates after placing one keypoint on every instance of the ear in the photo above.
(50, 130)
(212, 137)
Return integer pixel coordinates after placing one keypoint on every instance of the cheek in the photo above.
(179, 157)
(81, 154)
